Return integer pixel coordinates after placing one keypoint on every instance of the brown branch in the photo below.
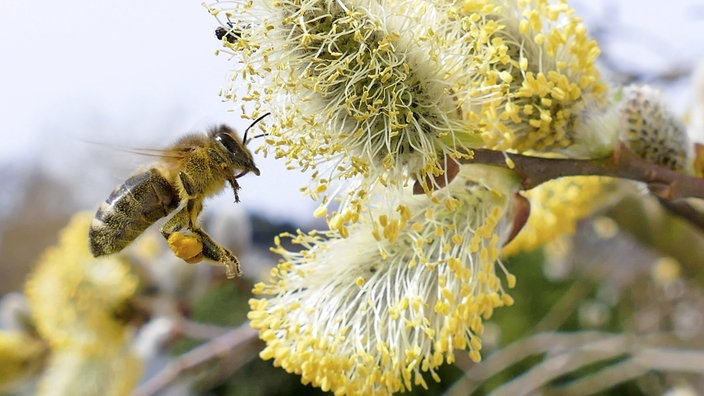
(238, 346)
(508, 356)
(567, 352)
(624, 163)
(198, 331)
(554, 366)
(641, 362)
(684, 210)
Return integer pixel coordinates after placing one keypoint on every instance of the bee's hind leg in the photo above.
(185, 246)
(191, 244)
(177, 222)
(213, 251)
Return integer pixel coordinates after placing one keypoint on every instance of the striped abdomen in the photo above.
(135, 205)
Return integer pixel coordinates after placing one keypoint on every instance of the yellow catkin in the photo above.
(78, 300)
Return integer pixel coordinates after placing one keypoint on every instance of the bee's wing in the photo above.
(167, 153)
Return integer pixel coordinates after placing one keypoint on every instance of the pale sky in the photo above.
(123, 73)
(142, 73)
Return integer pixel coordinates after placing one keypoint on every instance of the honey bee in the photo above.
(195, 167)
(231, 33)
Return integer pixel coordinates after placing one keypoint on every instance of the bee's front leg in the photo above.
(194, 203)
(235, 186)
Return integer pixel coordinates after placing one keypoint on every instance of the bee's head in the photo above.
(237, 153)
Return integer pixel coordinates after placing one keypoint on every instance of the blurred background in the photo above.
(143, 73)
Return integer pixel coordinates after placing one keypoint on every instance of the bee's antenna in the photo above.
(244, 139)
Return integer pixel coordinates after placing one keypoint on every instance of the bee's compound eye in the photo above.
(227, 141)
